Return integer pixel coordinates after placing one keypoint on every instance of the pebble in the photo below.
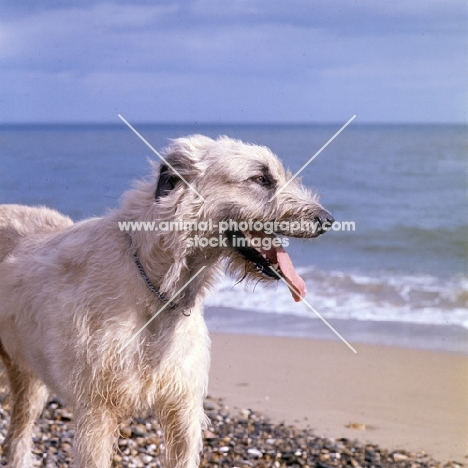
(358, 426)
(126, 432)
(255, 452)
(242, 439)
(399, 457)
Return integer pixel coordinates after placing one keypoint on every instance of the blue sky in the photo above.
(234, 61)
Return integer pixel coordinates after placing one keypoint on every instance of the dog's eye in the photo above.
(172, 181)
(262, 180)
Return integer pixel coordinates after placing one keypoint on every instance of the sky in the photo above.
(232, 61)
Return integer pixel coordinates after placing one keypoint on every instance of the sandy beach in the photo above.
(402, 403)
(407, 399)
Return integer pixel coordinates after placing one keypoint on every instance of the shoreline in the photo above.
(439, 338)
(414, 400)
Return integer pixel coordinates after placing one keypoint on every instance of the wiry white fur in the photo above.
(71, 297)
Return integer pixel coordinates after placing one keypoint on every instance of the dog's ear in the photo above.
(166, 182)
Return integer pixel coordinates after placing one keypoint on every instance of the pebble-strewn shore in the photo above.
(236, 439)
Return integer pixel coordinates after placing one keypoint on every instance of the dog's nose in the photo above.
(325, 219)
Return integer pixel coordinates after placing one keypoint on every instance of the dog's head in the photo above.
(241, 197)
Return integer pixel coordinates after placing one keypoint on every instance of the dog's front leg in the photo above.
(95, 437)
(183, 419)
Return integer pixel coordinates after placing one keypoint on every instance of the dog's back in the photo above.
(18, 222)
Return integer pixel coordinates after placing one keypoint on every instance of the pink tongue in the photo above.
(296, 283)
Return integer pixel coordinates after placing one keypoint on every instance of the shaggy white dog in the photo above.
(75, 298)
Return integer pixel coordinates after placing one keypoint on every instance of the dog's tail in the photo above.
(18, 222)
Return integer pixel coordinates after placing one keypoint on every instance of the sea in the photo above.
(399, 278)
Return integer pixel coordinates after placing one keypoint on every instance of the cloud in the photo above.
(189, 55)
(359, 16)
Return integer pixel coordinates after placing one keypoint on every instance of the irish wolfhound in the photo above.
(73, 297)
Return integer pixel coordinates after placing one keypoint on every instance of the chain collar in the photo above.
(148, 282)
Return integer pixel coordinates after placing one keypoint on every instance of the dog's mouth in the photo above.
(268, 258)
